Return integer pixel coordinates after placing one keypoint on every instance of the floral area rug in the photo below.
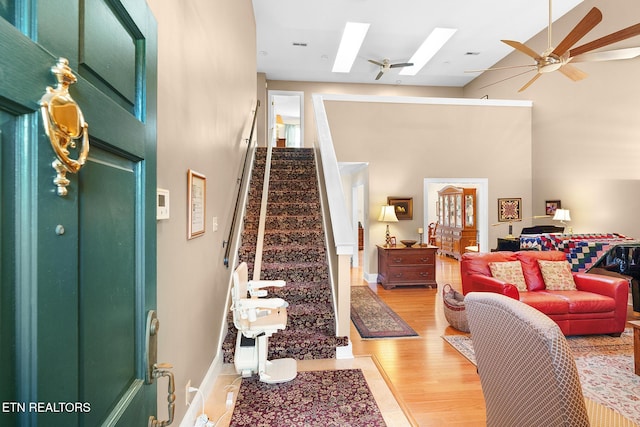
(314, 398)
(605, 366)
(373, 318)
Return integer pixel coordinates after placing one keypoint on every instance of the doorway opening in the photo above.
(286, 122)
(433, 185)
(355, 180)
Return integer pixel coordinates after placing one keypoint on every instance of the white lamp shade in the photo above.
(387, 214)
(562, 215)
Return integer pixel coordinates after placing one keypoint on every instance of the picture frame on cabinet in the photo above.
(393, 241)
(403, 206)
(550, 207)
(509, 209)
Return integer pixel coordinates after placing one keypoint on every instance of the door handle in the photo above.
(162, 370)
(156, 370)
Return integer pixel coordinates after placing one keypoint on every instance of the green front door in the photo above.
(78, 272)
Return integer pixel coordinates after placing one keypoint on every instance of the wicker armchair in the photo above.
(527, 371)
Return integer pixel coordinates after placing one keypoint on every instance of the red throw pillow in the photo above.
(531, 269)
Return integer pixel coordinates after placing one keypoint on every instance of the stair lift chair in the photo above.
(256, 319)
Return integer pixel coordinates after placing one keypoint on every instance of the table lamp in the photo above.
(387, 214)
(563, 215)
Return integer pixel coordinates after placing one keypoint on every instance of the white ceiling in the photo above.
(397, 29)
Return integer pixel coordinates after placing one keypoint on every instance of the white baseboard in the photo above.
(204, 390)
(371, 277)
(345, 352)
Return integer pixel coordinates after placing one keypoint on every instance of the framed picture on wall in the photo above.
(550, 207)
(509, 210)
(403, 206)
(197, 198)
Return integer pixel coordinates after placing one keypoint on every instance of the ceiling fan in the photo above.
(386, 64)
(558, 58)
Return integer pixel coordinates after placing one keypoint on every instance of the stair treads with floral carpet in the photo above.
(373, 318)
(313, 398)
(605, 366)
(294, 251)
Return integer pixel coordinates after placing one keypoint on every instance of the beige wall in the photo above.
(207, 89)
(405, 143)
(261, 124)
(586, 134)
(309, 88)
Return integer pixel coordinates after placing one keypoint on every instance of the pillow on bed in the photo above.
(510, 272)
(557, 275)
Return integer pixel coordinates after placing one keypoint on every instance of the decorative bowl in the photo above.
(408, 243)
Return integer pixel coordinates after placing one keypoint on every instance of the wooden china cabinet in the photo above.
(457, 226)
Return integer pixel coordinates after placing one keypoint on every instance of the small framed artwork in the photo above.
(550, 207)
(509, 210)
(403, 206)
(197, 200)
(393, 241)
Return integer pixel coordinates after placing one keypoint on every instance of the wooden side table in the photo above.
(636, 345)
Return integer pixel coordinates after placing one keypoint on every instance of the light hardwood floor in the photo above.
(435, 384)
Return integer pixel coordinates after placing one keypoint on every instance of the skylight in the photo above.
(432, 44)
(352, 38)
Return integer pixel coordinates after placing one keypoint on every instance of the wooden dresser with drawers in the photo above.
(402, 266)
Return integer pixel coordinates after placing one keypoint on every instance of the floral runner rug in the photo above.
(373, 318)
(605, 365)
(313, 398)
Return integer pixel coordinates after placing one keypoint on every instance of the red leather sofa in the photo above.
(597, 306)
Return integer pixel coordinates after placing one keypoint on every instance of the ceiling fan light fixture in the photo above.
(432, 44)
(549, 64)
(352, 38)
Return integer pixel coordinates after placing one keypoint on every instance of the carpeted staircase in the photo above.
(294, 250)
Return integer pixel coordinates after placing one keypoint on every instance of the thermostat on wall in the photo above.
(162, 204)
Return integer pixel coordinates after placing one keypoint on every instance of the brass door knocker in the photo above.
(64, 124)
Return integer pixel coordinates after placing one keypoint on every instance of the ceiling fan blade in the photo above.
(530, 82)
(379, 75)
(623, 34)
(572, 72)
(590, 20)
(505, 79)
(501, 68)
(402, 64)
(380, 64)
(609, 55)
(522, 48)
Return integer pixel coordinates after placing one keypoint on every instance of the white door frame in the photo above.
(272, 116)
(482, 199)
